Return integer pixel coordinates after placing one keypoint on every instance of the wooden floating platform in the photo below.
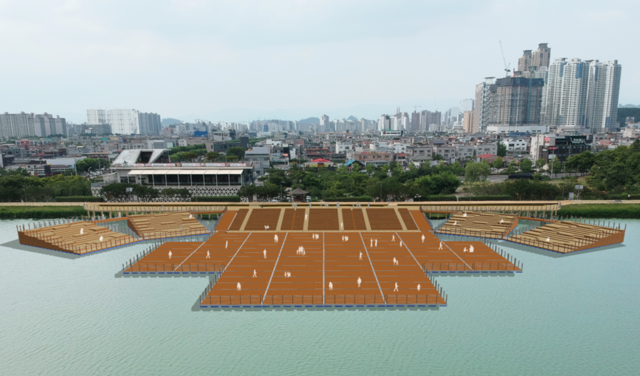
(325, 219)
(165, 225)
(273, 273)
(568, 236)
(78, 238)
(478, 224)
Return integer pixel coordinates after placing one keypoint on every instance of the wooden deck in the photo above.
(271, 271)
(567, 236)
(478, 224)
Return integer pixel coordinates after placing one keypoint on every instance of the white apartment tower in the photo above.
(582, 94)
(126, 121)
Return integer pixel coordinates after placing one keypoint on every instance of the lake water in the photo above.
(575, 314)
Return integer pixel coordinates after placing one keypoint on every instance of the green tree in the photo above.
(476, 171)
(540, 163)
(212, 156)
(526, 165)
(237, 151)
(498, 163)
(502, 149)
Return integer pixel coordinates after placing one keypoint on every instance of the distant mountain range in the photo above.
(170, 121)
(311, 120)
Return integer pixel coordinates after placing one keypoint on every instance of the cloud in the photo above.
(203, 57)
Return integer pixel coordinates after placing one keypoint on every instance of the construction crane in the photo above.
(506, 66)
(415, 108)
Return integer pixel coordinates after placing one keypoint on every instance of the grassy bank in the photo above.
(601, 210)
(40, 212)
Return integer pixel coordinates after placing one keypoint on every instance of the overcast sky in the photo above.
(244, 59)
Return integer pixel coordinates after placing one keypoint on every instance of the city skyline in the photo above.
(284, 59)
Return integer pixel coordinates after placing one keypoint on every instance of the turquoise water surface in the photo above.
(573, 314)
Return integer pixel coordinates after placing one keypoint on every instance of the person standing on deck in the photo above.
(226, 244)
(440, 248)
(239, 287)
(371, 242)
(359, 281)
(264, 253)
(255, 274)
(208, 255)
(360, 255)
(170, 255)
(275, 238)
(396, 288)
(376, 242)
(418, 287)
(330, 286)
(393, 238)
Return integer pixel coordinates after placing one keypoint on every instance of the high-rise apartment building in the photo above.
(582, 94)
(466, 105)
(430, 121)
(505, 103)
(150, 124)
(532, 62)
(468, 122)
(46, 125)
(483, 104)
(126, 121)
(25, 125)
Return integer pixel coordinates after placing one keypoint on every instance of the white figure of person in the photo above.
(455, 223)
(288, 274)
(101, 238)
(342, 237)
(255, 274)
(170, 255)
(264, 252)
(360, 255)
(275, 238)
(359, 281)
(226, 244)
(548, 239)
(470, 249)
(502, 220)
(440, 248)
(396, 288)
(190, 215)
(393, 238)
(465, 249)
(395, 261)
(330, 286)
(376, 242)
(423, 238)
(239, 287)
(371, 242)
(347, 237)
(265, 227)
(81, 231)
(464, 215)
(208, 255)
(419, 287)
(400, 243)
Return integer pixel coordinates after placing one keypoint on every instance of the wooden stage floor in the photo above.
(336, 269)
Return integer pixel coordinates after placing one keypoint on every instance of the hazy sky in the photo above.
(244, 59)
